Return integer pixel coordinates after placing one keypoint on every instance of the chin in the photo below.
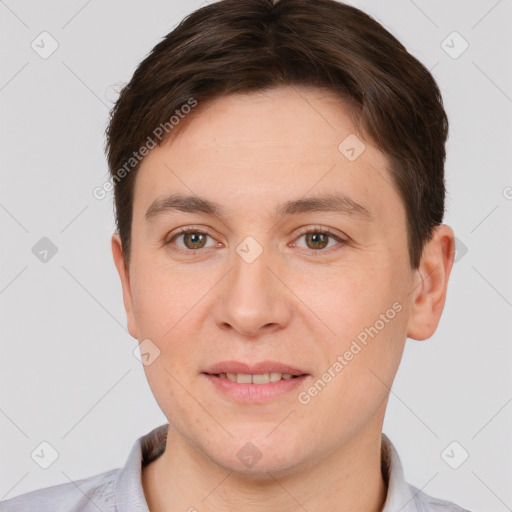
(263, 470)
(257, 458)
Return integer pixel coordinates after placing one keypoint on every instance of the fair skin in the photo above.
(299, 302)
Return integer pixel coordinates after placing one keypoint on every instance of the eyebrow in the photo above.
(336, 203)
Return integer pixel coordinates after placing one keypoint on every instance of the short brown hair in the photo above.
(243, 46)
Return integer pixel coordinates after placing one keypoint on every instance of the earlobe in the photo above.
(429, 294)
(117, 253)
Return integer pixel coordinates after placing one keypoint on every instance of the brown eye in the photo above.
(317, 240)
(320, 240)
(190, 241)
(194, 240)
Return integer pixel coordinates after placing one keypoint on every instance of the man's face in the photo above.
(251, 286)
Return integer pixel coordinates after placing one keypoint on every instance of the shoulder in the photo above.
(403, 496)
(426, 503)
(107, 491)
(86, 495)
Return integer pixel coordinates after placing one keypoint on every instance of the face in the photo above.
(319, 289)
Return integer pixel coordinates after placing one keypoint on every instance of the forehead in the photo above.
(284, 117)
(280, 143)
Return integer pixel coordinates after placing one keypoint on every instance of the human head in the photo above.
(237, 46)
(264, 128)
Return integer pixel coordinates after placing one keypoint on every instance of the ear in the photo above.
(431, 283)
(117, 252)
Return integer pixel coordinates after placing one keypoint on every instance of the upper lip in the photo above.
(253, 368)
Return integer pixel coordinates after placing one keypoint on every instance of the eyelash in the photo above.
(315, 230)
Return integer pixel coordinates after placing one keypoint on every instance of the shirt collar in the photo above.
(129, 493)
(400, 496)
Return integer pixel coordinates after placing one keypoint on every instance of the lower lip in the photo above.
(255, 393)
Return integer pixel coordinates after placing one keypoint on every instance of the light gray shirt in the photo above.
(120, 490)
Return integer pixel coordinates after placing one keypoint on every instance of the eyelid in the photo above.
(315, 228)
(188, 229)
(342, 240)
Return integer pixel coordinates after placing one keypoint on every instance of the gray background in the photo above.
(67, 370)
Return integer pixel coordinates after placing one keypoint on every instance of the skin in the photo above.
(299, 303)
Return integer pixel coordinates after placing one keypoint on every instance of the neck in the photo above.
(347, 479)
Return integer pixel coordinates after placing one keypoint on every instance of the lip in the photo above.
(254, 368)
(254, 393)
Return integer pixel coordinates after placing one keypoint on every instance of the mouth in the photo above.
(254, 383)
(258, 378)
(262, 372)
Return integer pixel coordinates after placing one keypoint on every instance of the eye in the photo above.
(193, 240)
(317, 239)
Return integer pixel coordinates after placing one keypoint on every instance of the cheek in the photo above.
(344, 299)
(161, 297)
(355, 383)
(164, 311)
(365, 317)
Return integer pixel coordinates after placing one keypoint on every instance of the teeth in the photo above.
(243, 378)
(262, 378)
(275, 376)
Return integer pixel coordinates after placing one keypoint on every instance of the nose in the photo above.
(253, 299)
